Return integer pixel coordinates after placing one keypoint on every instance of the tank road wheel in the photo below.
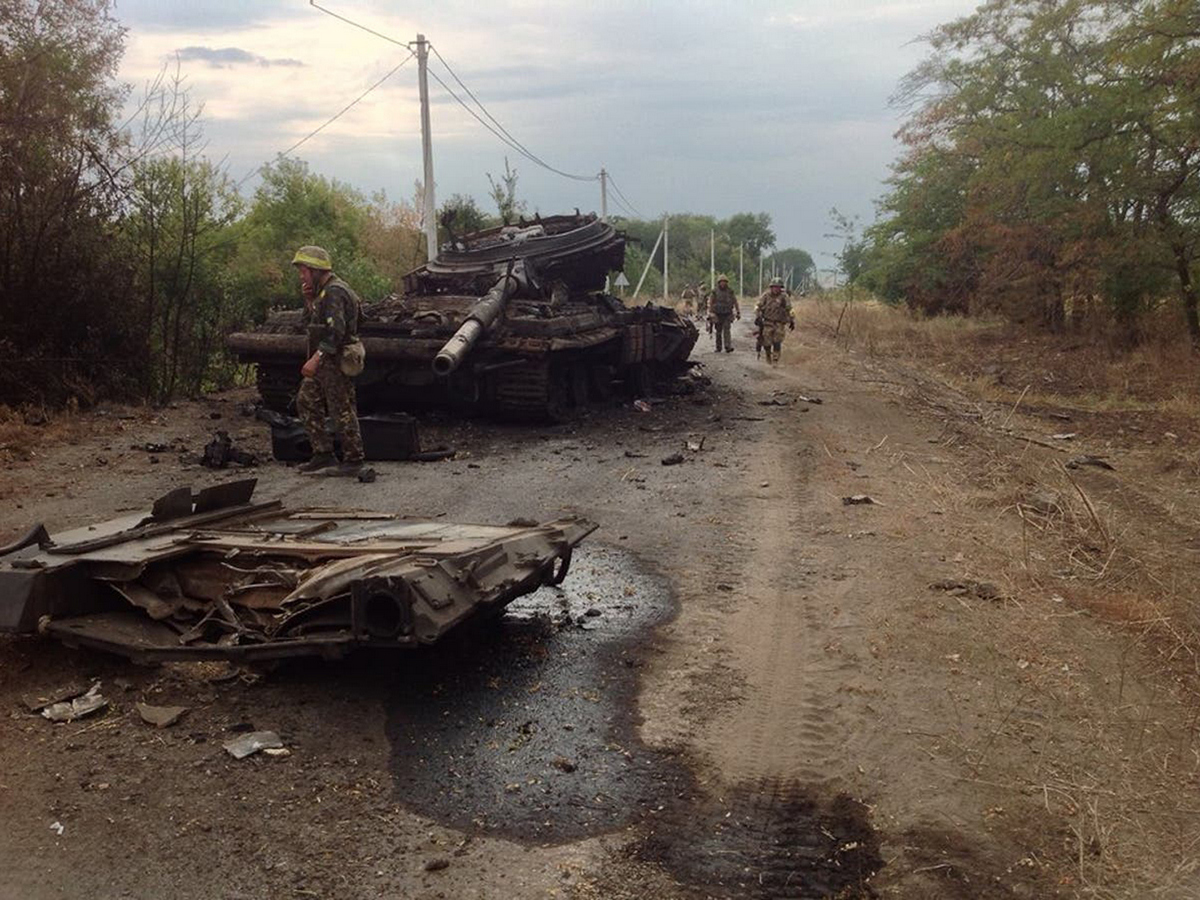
(558, 394)
(640, 379)
(537, 390)
(600, 378)
(578, 376)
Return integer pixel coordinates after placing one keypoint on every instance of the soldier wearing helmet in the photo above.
(722, 310)
(774, 310)
(331, 311)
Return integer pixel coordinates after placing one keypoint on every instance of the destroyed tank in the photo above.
(213, 575)
(512, 321)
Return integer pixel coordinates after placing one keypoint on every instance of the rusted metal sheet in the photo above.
(255, 581)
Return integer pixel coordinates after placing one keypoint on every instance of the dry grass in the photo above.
(999, 360)
(1117, 728)
(23, 431)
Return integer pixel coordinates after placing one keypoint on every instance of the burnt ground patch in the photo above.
(525, 726)
(768, 840)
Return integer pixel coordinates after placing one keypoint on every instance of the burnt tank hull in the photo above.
(512, 322)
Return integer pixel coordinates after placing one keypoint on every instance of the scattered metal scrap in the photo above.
(213, 575)
(249, 744)
(76, 708)
(220, 452)
(860, 500)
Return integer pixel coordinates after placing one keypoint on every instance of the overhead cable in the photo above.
(459, 100)
(330, 12)
(622, 208)
(512, 141)
(335, 117)
(622, 197)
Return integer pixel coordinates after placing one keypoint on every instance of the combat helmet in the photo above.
(314, 257)
(722, 277)
(775, 282)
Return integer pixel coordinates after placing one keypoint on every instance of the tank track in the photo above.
(277, 385)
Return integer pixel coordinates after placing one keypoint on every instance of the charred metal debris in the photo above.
(213, 575)
(513, 321)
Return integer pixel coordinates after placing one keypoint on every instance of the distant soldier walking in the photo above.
(331, 311)
(722, 310)
(774, 311)
(689, 300)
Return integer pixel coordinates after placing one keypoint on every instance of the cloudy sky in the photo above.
(706, 106)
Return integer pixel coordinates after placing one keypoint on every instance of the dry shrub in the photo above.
(23, 430)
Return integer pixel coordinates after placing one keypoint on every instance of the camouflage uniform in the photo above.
(722, 304)
(332, 323)
(775, 311)
(689, 300)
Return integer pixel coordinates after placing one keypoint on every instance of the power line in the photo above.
(335, 117)
(626, 203)
(498, 130)
(621, 207)
(330, 12)
(512, 141)
(624, 207)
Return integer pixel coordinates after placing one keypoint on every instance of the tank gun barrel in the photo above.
(481, 317)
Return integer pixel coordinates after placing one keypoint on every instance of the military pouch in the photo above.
(354, 358)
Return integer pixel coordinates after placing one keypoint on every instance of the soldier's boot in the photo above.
(348, 469)
(318, 462)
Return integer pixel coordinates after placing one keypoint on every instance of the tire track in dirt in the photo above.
(789, 724)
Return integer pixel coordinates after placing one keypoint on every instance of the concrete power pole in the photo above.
(666, 256)
(760, 264)
(430, 212)
(712, 259)
(742, 270)
(603, 195)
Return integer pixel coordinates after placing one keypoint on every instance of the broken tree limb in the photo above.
(1088, 505)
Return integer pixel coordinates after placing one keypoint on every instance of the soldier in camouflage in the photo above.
(331, 312)
(722, 310)
(774, 311)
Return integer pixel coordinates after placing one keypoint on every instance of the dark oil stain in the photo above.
(525, 726)
(769, 840)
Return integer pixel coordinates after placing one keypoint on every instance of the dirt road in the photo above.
(747, 688)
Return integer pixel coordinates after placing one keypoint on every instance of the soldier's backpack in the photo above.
(354, 358)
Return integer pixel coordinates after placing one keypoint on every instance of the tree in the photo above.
(63, 285)
(798, 264)
(1063, 135)
(293, 207)
(461, 215)
(752, 230)
(504, 194)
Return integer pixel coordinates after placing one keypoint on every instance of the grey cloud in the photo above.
(214, 15)
(226, 57)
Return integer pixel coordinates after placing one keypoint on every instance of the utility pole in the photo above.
(429, 214)
(666, 255)
(742, 269)
(760, 261)
(603, 195)
(712, 259)
(649, 261)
